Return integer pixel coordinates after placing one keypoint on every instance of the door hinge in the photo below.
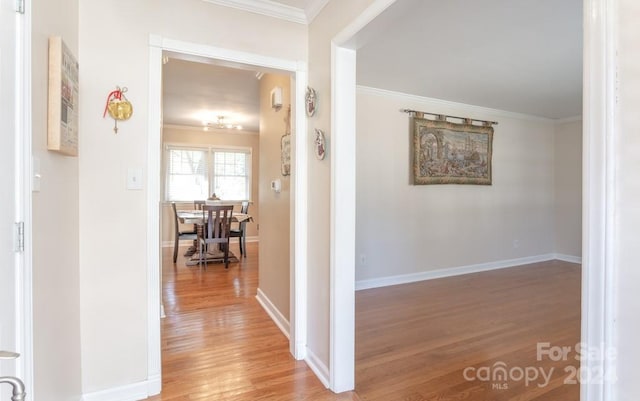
(20, 6)
(20, 236)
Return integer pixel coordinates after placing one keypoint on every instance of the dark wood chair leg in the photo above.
(226, 255)
(175, 249)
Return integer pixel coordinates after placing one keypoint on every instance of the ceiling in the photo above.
(523, 56)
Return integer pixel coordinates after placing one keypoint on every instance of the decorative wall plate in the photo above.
(319, 143)
(311, 98)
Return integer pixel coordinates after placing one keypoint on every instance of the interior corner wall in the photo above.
(274, 249)
(568, 189)
(56, 272)
(114, 51)
(405, 229)
(626, 200)
(190, 136)
(333, 18)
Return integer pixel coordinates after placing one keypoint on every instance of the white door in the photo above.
(10, 260)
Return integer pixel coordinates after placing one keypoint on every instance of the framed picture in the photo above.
(285, 155)
(62, 114)
(320, 146)
(451, 153)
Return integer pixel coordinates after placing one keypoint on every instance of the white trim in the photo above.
(568, 120)
(129, 392)
(298, 313)
(187, 242)
(179, 127)
(343, 220)
(313, 9)
(154, 347)
(450, 272)
(568, 258)
(320, 369)
(273, 312)
(463, 107)
(265, 7)
(24, 199)
(299, 223)
(599, 188)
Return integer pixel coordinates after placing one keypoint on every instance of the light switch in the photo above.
(134, 178)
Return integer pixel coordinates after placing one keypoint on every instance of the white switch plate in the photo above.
(134, 178)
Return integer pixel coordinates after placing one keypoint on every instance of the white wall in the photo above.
(193, 136)
(403, 228)
(114, 50)
(274, 225)
(627, 211)
(568, 188)
(56, 273)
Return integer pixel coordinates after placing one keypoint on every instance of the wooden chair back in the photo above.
(217, 221)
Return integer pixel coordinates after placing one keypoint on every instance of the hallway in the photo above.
(219, 344)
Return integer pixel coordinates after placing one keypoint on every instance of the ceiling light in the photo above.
(222, 124)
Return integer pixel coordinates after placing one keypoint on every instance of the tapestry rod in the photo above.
(443, 117)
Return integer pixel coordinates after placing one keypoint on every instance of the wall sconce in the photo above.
(276, 98)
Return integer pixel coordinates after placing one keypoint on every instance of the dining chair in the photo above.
(241, 232)
(178, 235)
(217, 224)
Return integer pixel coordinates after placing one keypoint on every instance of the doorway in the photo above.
(297, 254)
(598, 95)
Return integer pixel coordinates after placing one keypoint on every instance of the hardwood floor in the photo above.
(219, 344)
(414, 342)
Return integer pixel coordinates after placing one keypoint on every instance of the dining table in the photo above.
(196, 217)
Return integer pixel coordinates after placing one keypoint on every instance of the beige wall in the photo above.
(404, 229)
(190, 136)
(114, 50)
(568, 188)
(275, 222)
(56, 273)
(627, 199)
(334, 17)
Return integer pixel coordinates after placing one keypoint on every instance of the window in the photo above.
(197, 172)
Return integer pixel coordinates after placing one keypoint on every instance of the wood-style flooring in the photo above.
(219, 344)
(414, 342)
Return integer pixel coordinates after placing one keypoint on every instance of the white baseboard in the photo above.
(449, 272)
(318, 367)
(186, 242)
(274, 313)
(568, 258)
(129, 392)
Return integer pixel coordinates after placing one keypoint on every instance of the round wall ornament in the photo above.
(320, 147)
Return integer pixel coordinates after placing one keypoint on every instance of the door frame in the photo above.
(599, 185)
(23, 199)
(299, 191)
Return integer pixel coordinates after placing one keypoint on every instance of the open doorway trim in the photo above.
(299, 195)
(599, 133)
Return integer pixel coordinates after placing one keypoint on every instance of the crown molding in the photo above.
(313, 9)
(266, 7)
(480, 110)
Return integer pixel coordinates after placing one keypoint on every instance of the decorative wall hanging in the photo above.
(451, 153)
(319, 142)
(285, 146)
(62, 115)
(311, 99)
(118, 107)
